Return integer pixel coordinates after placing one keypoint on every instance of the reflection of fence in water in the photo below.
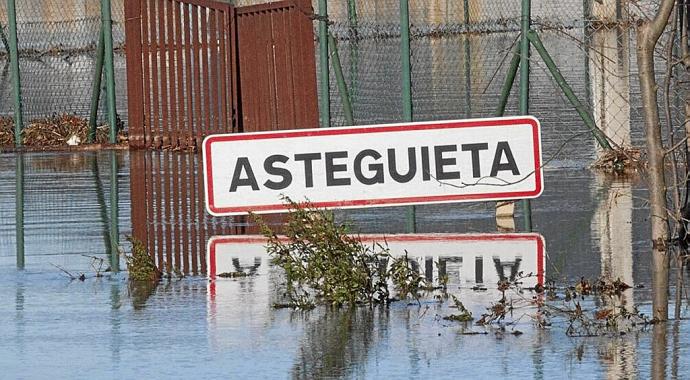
(60, 203)
(168, 212)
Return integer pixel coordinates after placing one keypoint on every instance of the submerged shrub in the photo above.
(324, 263)
(140, 264)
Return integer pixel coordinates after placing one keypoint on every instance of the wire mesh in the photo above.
(460, 51)
(57, 51)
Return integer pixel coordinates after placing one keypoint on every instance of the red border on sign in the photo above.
(248, 239)
(474, 123)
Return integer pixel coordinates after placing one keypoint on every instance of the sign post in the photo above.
(382, 165)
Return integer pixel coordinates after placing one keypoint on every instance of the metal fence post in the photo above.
(510, 79)
(467, 61)
(340, 79)
(107, 25)
(96, 89)
(325, 101)
(405, 60)
(524, 88)
(568, 91)
(407, 88)
(354, 49)
(14, 69)
(19, 210)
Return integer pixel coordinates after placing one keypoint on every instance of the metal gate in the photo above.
(277, 66)
(180, 71)
(192, 72)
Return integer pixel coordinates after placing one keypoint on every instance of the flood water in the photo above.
(101, 328)
(592, 226)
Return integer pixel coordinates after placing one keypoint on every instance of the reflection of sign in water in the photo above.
(396, 164)
(465, 259)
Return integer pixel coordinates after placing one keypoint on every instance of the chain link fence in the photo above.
(460, 51)
(57, 52)
(460, 54)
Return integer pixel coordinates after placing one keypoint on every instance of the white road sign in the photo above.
(394, 164)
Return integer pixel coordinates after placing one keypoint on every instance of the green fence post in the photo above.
(467, 61)
(107, 25)
(405, 60)
(14, 71)
(524, 89)
(340, 79)
(568, 91)
(407, 88)
(19, 209)
(510, 79)
(325, 100)
(114, 202)
(354, 49)
(96, 89)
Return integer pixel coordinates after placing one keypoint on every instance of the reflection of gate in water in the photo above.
(198, 67)
(168, 213)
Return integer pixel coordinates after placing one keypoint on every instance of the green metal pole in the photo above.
(114, 228)
(107, 25)
(14, 71)
(524, 89)
(325, 101)
(568, 91)
(96, 89)
(407, 88)
(340, 79)
(510, 79)
(354, 49)
(467, 61)
(19, 210)
(405, 60)
(587, 39)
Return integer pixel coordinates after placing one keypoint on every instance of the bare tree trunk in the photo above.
(647, 37)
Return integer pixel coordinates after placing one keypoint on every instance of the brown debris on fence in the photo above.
(55, 131)
(622, 160)
(6, 131)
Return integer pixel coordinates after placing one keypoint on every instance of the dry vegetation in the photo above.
(55, 131)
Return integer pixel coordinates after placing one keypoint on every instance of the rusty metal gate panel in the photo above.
(277, 66)
(181, 71)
